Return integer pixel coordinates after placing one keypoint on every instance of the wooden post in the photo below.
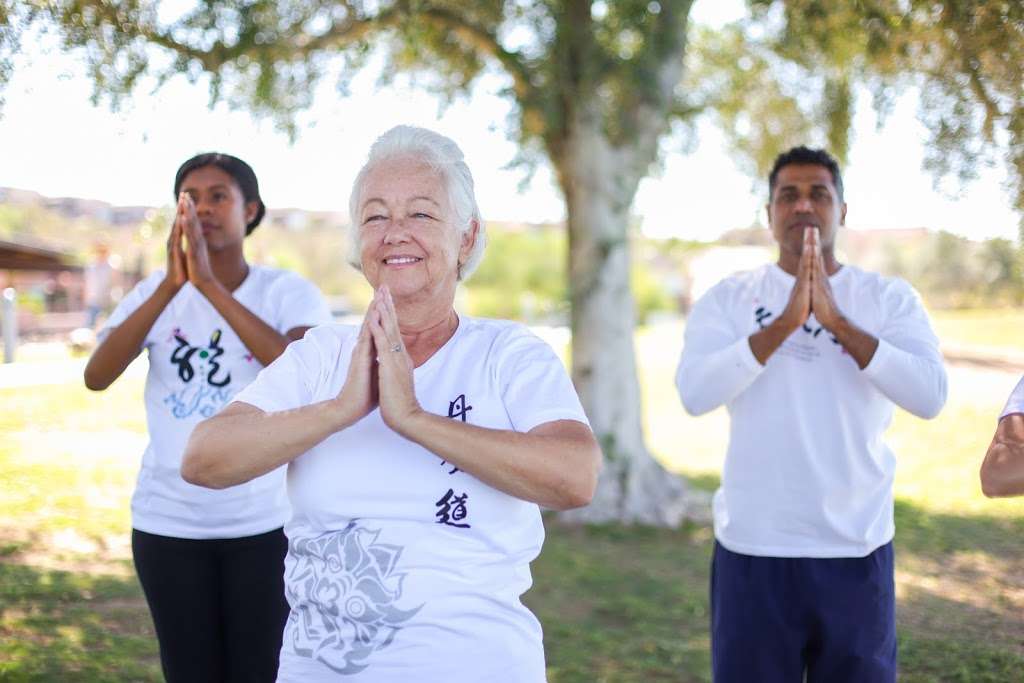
(9, 321)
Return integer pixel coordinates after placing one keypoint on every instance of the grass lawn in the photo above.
(994, 328)
(618, 604)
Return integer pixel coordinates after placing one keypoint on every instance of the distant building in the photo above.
(49, 285)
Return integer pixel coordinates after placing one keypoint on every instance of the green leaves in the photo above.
(788, 73)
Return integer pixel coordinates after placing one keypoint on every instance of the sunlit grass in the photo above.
(996, 328)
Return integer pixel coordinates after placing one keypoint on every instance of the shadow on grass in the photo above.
(628, 604)
(958, 575)
(65, 626)
(936, 534)
(623, 604)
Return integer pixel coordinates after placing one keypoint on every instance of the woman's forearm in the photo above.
(243, 442)
(554, 465)
(123, 343)
(262, 340)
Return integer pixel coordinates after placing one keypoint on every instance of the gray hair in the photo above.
(444, 157)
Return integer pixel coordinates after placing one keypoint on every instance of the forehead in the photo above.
(207, 176)
(402, 179)
(804, 175)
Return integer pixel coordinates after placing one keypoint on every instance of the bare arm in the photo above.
(766, 342)
(554, 464)
(1002, 471)
(123, 343)
(243, 442)
(859, 344)
(265, 343)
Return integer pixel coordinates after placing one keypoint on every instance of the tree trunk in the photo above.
(599, 185)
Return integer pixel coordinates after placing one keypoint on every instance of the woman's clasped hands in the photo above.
(380, 373)
(187, 257)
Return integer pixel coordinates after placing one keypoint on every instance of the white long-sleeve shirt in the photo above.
(807, 473)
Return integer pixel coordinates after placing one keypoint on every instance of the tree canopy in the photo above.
(789, 70)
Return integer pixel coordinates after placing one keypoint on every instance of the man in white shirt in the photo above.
(809, 356)
(1002, 472)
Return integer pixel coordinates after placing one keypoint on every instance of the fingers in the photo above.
(389, 319)
(175, 248)
(384, 323)
(174, 239)
(364, 342)
(189, 220)
(819, 260)
(394, 370)
(806, 266)
(378, 333)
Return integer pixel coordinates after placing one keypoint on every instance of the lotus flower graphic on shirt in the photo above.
(343, 589)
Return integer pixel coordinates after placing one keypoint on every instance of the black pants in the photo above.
(218, 605)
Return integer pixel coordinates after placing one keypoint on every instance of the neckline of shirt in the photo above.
(444, 350)
(242, 286)
(833, 279)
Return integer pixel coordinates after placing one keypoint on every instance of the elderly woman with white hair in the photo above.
(419, 447)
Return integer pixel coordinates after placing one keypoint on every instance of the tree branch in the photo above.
(485, 42)
(977, 83)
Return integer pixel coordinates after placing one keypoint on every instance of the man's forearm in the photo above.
(858, 343)
(767, 341)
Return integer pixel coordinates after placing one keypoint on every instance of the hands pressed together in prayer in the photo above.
(380, 372)
(187, 257)
(812, 292)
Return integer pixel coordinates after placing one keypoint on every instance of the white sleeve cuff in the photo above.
(745, 356)
(878, 363)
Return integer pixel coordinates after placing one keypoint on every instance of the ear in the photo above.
(468, 241)
(842, 215)
(251, 209)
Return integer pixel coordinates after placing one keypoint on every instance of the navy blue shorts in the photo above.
(775, 619)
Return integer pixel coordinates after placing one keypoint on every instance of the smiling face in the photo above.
(805, 196)
(220, 206)
(407, 231)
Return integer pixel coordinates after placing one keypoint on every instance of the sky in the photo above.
(55, 142)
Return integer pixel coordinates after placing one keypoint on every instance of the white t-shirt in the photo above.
(807, 473)
(401, 567)
(196, 365)
(1015, 404)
